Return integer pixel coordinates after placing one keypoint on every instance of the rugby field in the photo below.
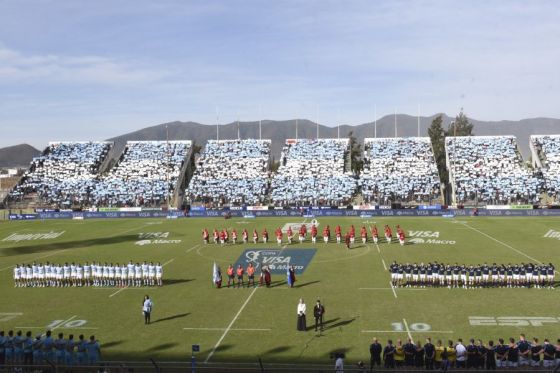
(234, 325)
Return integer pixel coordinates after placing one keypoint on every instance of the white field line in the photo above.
(400, 289)
(393, 288)
(192, 248)
(410, 332)
(384, 265)
(231, 329)
(235, 318)
(63, 322)
(118, 291)
(504, 244)
(230, 325)
(407, 329)
(59, 327)
(378, 249)
(169, 261)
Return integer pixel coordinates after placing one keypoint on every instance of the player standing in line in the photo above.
(302, 231)
(151, 274)
(245, 236)
(40, 275)
(79, 275)
(388, 234)
(226, 236)
(216, 236)
(313, 234)
(205, 236)
(234, 236)
(48, 274)
(73, 274)
(279, 236)
(363, 234)
(81, 350)
(112, 275)
(374, 234)
(250, 275)
(130, 272)
(93, 351)
(352, 234)
(338, 233)
(326, 234)
(401, 236)
(550, 276)
(69, 353)
(159, 274)
(255, 236)
(265, 236)
(222, 238)
(60, 347)
(87, 274)
(290, 234)
(17, 276)
(145, 273)
(231, 276)
(138, 273)
(239, 273)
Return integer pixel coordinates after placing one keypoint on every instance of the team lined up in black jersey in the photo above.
(472, 276)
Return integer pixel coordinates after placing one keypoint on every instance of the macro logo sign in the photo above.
(154, 238)
(552, 234)
(427, 237)
(277, 260)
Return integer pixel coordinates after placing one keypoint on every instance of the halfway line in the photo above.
(230, 325)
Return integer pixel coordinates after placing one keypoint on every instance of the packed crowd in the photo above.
(490, 169)
(231, 171)
(19, 349)
(399, 169)
(94, 274)
(313, 172)
(549, 149)
(65, 174)
(476, 354)
(472, 276)
(145, 175)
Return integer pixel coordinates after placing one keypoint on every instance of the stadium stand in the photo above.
(145, 175)
(64, 175)
(399, 170)
(231, 172)
(490, 169)
(547, 156)
(313, 172)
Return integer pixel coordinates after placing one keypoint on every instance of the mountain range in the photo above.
(279, 131)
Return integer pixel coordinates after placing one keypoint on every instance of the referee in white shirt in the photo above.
(147, 306)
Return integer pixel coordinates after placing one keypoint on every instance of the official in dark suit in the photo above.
(318, 312)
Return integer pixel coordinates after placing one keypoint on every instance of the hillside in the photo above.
(278, 131)
(17, 155)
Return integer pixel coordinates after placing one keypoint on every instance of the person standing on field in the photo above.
(147, 306)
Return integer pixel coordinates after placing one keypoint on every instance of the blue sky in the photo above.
(74, 70)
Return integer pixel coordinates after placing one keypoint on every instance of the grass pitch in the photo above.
(243, 324)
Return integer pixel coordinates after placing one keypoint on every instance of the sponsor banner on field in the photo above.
(18, 237)
(277, 260)
(427, 238)
(513, 320)
(552, 234)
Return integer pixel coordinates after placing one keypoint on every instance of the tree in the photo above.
(460, 126)
(437, 136)
(355, 153)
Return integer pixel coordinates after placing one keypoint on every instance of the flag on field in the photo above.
(217, 276)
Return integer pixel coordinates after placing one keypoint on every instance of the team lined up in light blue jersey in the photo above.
(19, 349)
(94, 274)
